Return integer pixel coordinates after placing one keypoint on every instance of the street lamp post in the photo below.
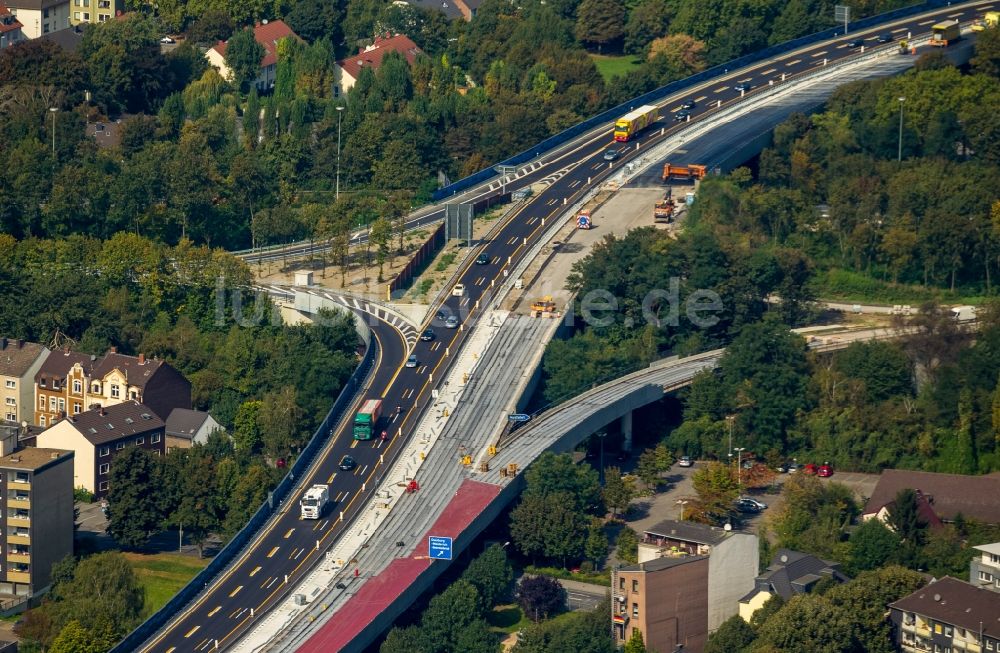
(739, 466)
(340, 111)
(899, 155)
(53, 111)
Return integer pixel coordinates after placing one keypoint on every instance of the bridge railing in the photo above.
(159, 619)
(656, 95)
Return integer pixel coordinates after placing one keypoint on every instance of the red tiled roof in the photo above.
(8, 22)
(372, 55)
(267, 35)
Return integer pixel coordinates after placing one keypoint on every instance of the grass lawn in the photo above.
(615, 66)
(163, 574)
(507, 619)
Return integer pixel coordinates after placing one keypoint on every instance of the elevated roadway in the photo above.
(284, 552)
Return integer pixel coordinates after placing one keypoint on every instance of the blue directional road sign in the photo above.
(518, 417)
(439, 548)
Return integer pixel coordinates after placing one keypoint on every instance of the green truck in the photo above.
(366, 421)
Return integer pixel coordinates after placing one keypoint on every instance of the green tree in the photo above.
(132, 499)
(865, 599)
(596, 547)
(76, 638)
(635, 643)
(450, 613)
(549, 526)
(808, 623)
(406, 640)
(551, 473)
(380, 235)
(872, 545)
(316, 19)
(987, 55)
(716, 488)
(491, 574)
(619, 490)
(104, 593)
(247, 435)
(734, 634)
(599, 22)
(540, 597)
(243, 57)
(627, 546)
(906, 520)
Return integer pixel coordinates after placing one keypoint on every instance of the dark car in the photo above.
(427, 335)
(688, 104)
(743, 87)
(611, 154)
(885, 38)
(483, 259)
(682, 115)
(347, 463)
(749, 507)
(855, 43)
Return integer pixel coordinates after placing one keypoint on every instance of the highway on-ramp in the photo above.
(285, 551)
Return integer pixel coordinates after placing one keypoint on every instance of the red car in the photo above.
(825, 471)
(810, 469)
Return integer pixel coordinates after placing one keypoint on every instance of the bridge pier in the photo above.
(626, 426)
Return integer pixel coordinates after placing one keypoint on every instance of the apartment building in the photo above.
(689, 579)
(19, 362)
(947, 616)
(98, 436)
(984, 570)
(36, 489)
(10, 28)
(38, 17)
(70, 383)
(95, 11)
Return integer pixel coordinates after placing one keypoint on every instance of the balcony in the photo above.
(24, 503)
(19, 539)
(22, 517)
(18, 480)
(23, 558)
(19, 577)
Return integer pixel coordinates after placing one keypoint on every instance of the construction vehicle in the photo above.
(584, 220)
(663, 210)
(690, 172)
(904, 46)
(990, 19)
(543, 305)
(366, 419)
(314, 502)
(635, 121)
(945, 33)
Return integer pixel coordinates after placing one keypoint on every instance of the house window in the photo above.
(11, 384)
(41, 403)
(11, 401)
(115, 392)
(986, 576)
(105, 451)
(103, 17)
(11, 417)
(155, 438)
(76, 408)
(62, 404)
(95, 388)
(41, 382)
(52, 404)
(133, 394)
(139, 441)
(119, 446)
(76, 14)
(635, 609)
(938, 628)
(77, 386)
(45, 14)
(635, 585)
(621, 583)
(102, 486)
(41, 420)
(948, 631)
(45, 27)
(989, 645)
(104, 469)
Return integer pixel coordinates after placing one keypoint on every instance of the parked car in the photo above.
(682, 115)
(685, 461)
(688, 103)
(451, 322)
(347, 463)
(458, 290)
(760, 504)
(825, 471)
(427, 335)
(810, 469)
(611, 154)
(411, 361)
(483, 259)
(793, 467)
(747, 506)
(167, 40)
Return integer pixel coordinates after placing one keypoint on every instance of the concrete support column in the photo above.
(626, 424)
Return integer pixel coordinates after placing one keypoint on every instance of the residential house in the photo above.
(186, 427)
(267, 34)
(689, 579)
(947, 495)
(36, 486)
(947, 615)
(984, 570)
(38, 17)
(19, 362)
(96, 11)
(70, 383)
(347, 70)
(790, 573)
(100, 435)
(10, 28)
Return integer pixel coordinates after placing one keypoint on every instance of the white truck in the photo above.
(314, 501)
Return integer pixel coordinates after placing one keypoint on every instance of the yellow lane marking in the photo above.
(217, 608)
(818, 54)
(289, 533)
(768, 71)
(792, 63)
(235, 591)
(721, 89)
(254, 572)
(273, 551)
(192, 631)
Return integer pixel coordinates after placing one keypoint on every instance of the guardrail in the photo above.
(134, 640)
(673, 87)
